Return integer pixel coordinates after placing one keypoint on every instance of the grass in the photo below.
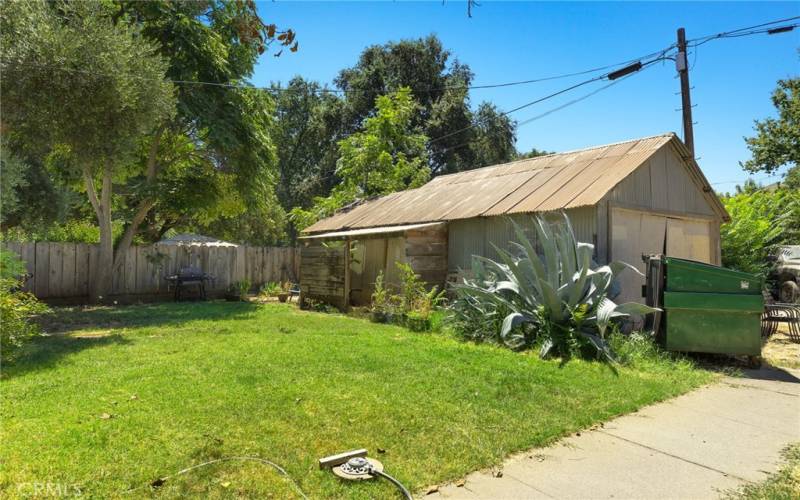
(131, 394)
(783, 485)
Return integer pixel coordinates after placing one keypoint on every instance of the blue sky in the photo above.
(512, 41)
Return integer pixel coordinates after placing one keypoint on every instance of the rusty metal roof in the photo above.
(552, 182)
(378, 232)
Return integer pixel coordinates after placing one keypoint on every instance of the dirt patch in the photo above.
(780, 350)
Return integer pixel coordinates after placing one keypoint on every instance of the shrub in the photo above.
(476, 320)
(413, 305)
(559, 301)
(271, 289)
(18, 309)
(760, 220)
(384, 304)
(239, 290)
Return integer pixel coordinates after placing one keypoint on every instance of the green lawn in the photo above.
(185, 383)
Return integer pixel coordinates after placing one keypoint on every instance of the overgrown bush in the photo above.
(411, 304)
(18, 309)
(559, 301)
(760, 220)
(479, 321)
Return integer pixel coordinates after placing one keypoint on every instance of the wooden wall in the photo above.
(325, 278)
(322, 273)
(426, 253)
(64, 270)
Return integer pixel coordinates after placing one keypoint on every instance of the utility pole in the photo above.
(682, 65)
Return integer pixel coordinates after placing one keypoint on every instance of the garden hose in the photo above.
(160, 481)
(403, 490)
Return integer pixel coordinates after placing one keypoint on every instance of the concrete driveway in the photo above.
(694, 446)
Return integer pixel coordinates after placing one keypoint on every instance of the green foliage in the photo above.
(54, 57)
(478, 320)
(466, 139)
(410, 303)
(12, 181)
(11, 266)
(241, 289)
(271, 289)
(777, 140)
(308, 127)
(494, 137)
(560, 300)
(18, 309)
(387, 156)
(760, 220)
(73, 231)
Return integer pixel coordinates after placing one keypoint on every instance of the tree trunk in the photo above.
(100, 287)
(110, 258)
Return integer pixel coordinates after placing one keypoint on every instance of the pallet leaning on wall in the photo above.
(64, 270)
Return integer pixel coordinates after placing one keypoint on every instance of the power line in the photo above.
(554, 94)
(746, 31)
(277, 89)
(746, 180)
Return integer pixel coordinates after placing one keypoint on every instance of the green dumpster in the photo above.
(706, 308)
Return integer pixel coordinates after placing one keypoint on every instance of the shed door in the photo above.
(689, 239)
(634, 233)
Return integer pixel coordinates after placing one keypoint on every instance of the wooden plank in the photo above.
(129, 285)
(118, 277)
(94, 259)
(240, 268)
(41, 273)
(82, 269)
(428, 263)
(55, 271)
(252, 264)
(68, 271)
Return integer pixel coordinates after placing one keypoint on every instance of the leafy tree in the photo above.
(777, 140)
(792, 178)
(92, 57)
(388, 155)
(760, 220)
(494, 138)
(533, 153)
(307, 129)
(229, 170)
(440, 86)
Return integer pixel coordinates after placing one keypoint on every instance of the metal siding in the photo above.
(584, 223)
(662, 183)
(465, 239)
(480, 235)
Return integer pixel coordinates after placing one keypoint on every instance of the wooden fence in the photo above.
(64, 270)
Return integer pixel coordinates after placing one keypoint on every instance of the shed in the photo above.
(630, 198)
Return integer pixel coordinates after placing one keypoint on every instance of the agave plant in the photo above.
(561, 298)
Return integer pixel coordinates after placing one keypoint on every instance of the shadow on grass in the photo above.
(70, 319)
(45, 352)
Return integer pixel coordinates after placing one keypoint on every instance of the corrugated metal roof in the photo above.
(370, 231)
(552, 182)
